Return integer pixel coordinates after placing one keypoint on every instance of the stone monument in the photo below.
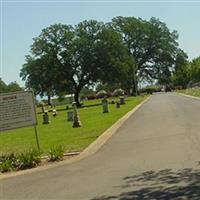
(46, 117)
(76, 122)
(105, 105)
(70, 116)
(54, 112)
(122, 100)
(117, 104)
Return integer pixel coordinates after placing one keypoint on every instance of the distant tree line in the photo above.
(119, 54)
(11, 87)
(187, 73)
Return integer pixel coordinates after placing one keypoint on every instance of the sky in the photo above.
(21, 21)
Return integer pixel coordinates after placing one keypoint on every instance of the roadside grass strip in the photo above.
(191, 92)
(60, 131)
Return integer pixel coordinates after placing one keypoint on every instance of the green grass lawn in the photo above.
(193, 92)
(60, 131)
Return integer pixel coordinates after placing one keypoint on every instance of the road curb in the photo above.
(90, 150)
(185, 95)
(104, 137)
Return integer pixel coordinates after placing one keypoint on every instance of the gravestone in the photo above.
(105, 105)
(46, 117)
(76, 122)
(117, 104)
(54, 112)
(122, 100)
(70, 116)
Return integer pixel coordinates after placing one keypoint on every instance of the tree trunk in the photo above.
(49, 99)
(76, 98)
(134, 84)
(134, 90)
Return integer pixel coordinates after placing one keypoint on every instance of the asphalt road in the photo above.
(154, 155)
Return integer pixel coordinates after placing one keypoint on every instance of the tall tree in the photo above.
(41, 68)
(97, 54)
(195, 70)
(113, 58)
(78, 61)
(39, 74)
(181, 74)
(150, 43)
(66, 59)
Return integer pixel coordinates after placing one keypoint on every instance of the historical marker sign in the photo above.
(17, 110)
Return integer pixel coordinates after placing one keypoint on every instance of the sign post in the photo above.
(17, 110)
(36, 136)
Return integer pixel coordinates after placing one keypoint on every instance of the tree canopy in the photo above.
(11, 87)
(195, 70)
(121, 53)
(66, 59)
(152, 46)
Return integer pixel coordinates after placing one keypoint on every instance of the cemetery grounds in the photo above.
(61, 132)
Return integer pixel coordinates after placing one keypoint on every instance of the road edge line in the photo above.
(189, 96)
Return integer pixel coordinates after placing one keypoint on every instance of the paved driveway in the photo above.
(154, 155)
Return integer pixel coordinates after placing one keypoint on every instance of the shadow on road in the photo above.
(163, 185)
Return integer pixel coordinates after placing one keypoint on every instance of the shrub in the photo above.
(101, 94)
(56, 153)
(118, 92)
(6, 166)
(112, 102)
(109, 94)
(29, 159)
(151, 89)
(8, 162)
(179, 87)
(91, 97)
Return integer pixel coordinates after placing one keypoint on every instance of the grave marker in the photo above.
(105, 105)
(76, 122)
